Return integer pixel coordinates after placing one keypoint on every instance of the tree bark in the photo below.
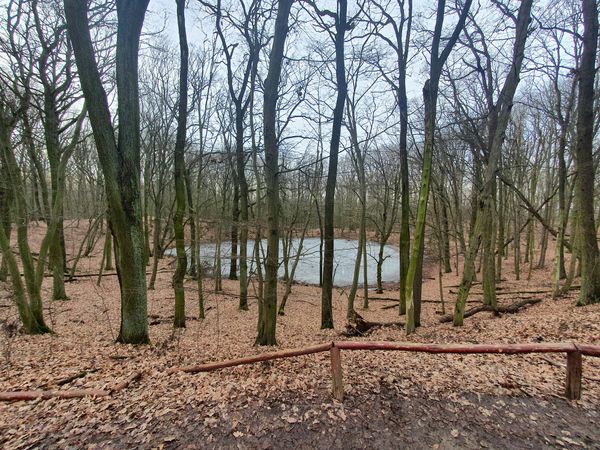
(119, 159)
(334, 146)
(430, 95)
(179, 171)
(584, 160)
(496, 135)
(268, 318)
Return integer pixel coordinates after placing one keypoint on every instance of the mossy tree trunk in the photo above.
(29, 296)
(485, 210)
(430, 95)
(584, 159)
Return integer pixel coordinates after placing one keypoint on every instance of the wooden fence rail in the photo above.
(574, 353)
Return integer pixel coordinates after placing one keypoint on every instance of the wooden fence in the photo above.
(574, 353)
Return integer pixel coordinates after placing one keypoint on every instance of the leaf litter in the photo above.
(472, 401)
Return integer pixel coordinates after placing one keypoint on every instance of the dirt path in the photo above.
(388, 419)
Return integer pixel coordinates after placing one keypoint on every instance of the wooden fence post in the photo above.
(573, 387)
(337, 386)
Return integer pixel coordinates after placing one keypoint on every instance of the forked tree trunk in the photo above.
(486, 210)
(119, 159)
(430, 95)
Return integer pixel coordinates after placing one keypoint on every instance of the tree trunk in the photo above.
(5, 221)
(290, 280)
(430, 95)
(497, 124)
(334, 146)
(268, 319)
(108, 251)
(194, 252)
(119, 160)
(179, 172)
(235, 216)
(584, 160)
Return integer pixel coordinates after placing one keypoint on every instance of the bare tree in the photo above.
(119, 157)
(430, 96)
(179, 169)
(497, 123)
(267, 320)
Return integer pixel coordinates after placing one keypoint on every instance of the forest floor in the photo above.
(393, 399)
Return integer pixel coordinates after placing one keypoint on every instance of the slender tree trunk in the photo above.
(179, 172)
(108, 251)
(334, 145)
(156, 252)
(5, 221)
(243, 226)
(290, 280)
(501, 231)
(268, 318)
(194, 252)
(517, 240)
(430, 95)
(446, 234)
(235, 216)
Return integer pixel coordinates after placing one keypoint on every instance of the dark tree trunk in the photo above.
(338, 114)
(268, 319)
(179, 171)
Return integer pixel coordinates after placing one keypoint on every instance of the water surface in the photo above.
(308, 266)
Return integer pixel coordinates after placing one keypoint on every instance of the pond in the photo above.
(308, 266)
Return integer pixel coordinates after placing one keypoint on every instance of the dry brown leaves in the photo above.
(85, 328)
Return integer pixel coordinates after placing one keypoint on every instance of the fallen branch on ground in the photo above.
(437, 302)
(109, 274)
(361, 327)
(510, 309)
(68, 379)
(380, 299)
(71, 393)
(525, 291)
